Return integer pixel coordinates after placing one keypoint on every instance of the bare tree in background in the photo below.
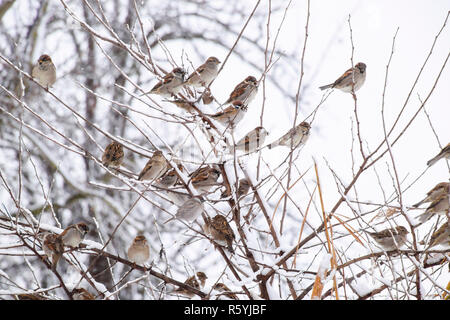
(110, 54)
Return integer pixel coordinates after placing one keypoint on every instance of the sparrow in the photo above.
(169, 179)
(356, 75)
(245, 91)
(445, 153)
(438, 206)
(190, 210)
(170, 85)
(186, 105)
(155, 167)
(433, 194)
(82, 294)
(204, 178)
(53, 247)
(441, 235)
(296, 136)
(224, 291)
(390, 238)
(194, 283)
(139, 251)
(243, 187)
(220, 230)
(204, 74)
(207, 97)
(44, 71)
(231, 115)
(113, 155)
(74, 234)
(252, 140)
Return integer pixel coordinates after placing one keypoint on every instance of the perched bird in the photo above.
(186, 105)
(231, 115)
(190, 210)
(220, 230)
(139, 251)
(252, 140)
(391, 238)
(445, 153)
(53, 247)
(170, 85)
(438, 206)
(224, 290)
(433, 194)
(355, 75)
(243, 187)
(295, 136)
(74, 234)
(113, 155)
(245, 91)
(441, 235)
(178, 197)
(207, 97)
(204, 74)
(155, 167)
(169, 179)
(44, 71)
(197, 281)
(204, 178)
(82, 294)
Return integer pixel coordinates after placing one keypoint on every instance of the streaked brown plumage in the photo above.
(441, 235)
(113, 155)
(53, 247)
(232, 114)
(433, 194)
(390, 238)
(243, 187)
(155, 167)
(82, 294)
(357, 74)
(438, 206)
(74, 234)
(170, 84)
(204, 74)
(204, 178)
(245, 91)
(224, 290)
(296, 136)
(220, 230)
(194, 283)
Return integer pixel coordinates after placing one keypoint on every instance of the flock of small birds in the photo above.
(160, 173)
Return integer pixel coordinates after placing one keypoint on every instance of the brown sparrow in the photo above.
(82, 294)
(194, 283)
(73, 235)
(220, 230)
(296, 136)
(252, 140)
(433, 194)
(186, 105)
(204, 74)
(244, 91)
(53, 247)
(438, 206)
(243, 187)
(139, 251)
(204, 178)
(207, 97)
(190, 210)
(113, 155)
(155, 167)
(445, 153)
(441, 235)
(224, 291)
(390, 238)
(170, 85)
(169, 179)
(44, 71)
(355, 75)
(231, 115)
